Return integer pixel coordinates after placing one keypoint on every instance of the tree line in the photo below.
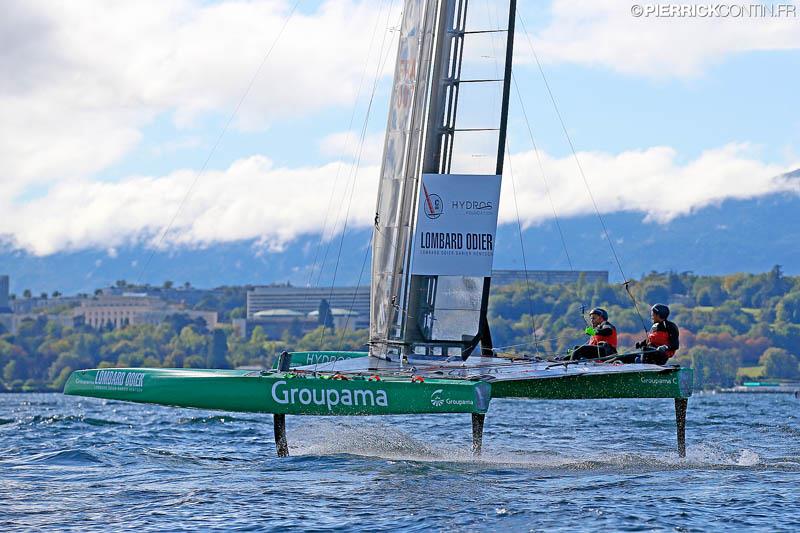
(734, 327)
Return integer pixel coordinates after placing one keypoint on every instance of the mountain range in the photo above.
(736, 236)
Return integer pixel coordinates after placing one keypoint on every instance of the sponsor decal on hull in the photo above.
(119, 380)
(294, 394)
(436, 398)
(319, 358)
(659, 381)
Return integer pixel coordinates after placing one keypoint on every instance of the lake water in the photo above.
(81, 464)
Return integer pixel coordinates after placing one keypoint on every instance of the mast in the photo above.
(458, 57)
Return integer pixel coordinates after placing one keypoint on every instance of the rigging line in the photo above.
(522, 246)
(336, 221)
(572, 148)
(540, 341)
(346, 217)
(580, 167)
(355, 293)
(339, 166)
(217, 142)
(627, 285)
(544, 180)
(349, 128)
(514, 190)
(355, 176)
(544, 176)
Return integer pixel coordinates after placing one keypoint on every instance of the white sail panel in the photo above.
(399, 173)
(458, 307)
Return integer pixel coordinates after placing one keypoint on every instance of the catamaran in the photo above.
(430, 348)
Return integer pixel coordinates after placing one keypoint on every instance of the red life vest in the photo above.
(594, 340)
(659, 338)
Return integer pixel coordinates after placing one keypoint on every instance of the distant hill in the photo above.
(736, 236)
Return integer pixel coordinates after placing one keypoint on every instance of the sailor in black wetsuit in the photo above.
(662, 339)
(603, 340)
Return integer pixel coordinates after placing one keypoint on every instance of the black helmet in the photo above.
(599, 311)
(661, 310)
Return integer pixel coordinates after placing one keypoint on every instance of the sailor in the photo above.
(662, 340)
(602, 340)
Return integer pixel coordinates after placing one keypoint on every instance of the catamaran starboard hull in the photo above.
(668, 383)
(534, 379)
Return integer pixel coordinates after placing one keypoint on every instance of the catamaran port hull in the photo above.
(280, 392)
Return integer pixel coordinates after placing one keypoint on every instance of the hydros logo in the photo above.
(319, 358)
(472, 205)
(436, 398)
(434, 206)
(285, 394)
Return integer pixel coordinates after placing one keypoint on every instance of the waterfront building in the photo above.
(116, 311)
(276, 322)
(307, 299)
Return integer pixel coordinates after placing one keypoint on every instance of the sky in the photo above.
(180, 123)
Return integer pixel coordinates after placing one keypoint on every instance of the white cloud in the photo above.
(652, 181)
(253, 199)
(250, 200)
(604, 33)
(88, 76)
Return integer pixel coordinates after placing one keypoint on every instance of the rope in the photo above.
(580, 167)
(216, 143)
(522, 246)
(339, 167)
(495, 21)
(355, 293)
(540, 341)
(354, 175)
(544, 177)
(545, 182)
(626, 284)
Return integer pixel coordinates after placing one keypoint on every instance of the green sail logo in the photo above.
(285, 394)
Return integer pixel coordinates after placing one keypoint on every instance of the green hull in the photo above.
(279, 393)
(671, 383)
